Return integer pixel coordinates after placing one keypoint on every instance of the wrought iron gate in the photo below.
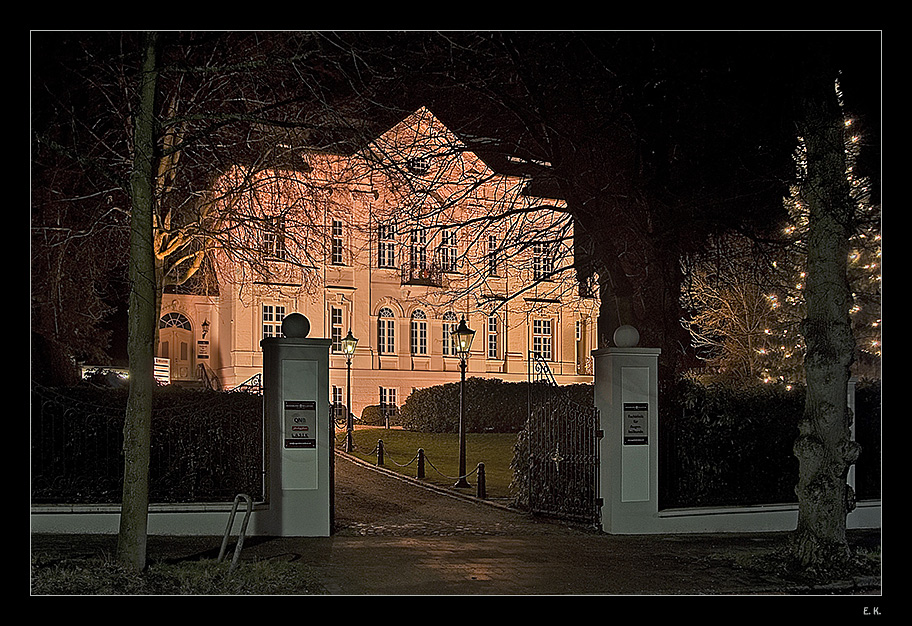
(563, 438)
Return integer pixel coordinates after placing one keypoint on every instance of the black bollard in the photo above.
(420, 462)
(481, 489)
(379, 452)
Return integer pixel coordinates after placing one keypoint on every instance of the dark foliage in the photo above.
(206, 446)
(492, 405)
(731, 446)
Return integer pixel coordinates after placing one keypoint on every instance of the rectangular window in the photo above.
(388, 397)
(418, 248)
(542, 262)
(386, 337)
(338, 403)
(449, 346)
(447, 252)
(386, 235)
(273, 315)
(492, 337)
(492, 255)
(338, 243)
(274, 237)
(541, 338)
(335, 322)
(582, 348)
(419, 336)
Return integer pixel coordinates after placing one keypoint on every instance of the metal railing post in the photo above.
(241, 534)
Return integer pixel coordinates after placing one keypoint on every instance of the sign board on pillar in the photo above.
(301, 424)
(636, 423)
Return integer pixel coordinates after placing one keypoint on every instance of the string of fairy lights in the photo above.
(768, 336)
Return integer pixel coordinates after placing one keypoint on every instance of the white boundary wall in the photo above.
(626, 394)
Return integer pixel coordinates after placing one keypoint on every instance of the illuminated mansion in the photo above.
(396, 243)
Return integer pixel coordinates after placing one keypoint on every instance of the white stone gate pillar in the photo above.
(626, 395)
(299, 434)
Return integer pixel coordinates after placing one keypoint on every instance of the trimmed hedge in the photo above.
(726, 446)
(492, 405)
(206, 446)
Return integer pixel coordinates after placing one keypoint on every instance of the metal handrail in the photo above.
(254, 384)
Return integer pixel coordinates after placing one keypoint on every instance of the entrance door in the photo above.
(175, 339)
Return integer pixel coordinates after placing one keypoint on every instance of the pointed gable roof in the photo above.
(419, 139)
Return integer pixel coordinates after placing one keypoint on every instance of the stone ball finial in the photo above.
(295, 325)
(626, 337)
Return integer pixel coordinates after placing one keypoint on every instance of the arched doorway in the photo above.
(175, 340)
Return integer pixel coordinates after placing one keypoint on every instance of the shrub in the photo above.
(492, 405)
(733, 446)
(376, 415)
(205, 445)
(868, 403)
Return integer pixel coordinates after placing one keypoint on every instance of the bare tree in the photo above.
(733, 316)
(161, 119)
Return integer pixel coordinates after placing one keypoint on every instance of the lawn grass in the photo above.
(441, 452)
(102, 575)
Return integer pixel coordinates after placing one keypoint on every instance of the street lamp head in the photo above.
(462, 337)
(349, 343)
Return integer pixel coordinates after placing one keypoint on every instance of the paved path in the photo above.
(395, 538)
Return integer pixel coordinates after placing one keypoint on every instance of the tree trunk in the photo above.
(131, 545)
(824, 447)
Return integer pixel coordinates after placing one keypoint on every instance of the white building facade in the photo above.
(397, 244)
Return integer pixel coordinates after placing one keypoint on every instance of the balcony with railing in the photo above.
(428, 274)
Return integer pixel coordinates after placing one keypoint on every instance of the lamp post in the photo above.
(348, 348)
(462, 337)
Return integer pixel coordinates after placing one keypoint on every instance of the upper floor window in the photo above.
(274, 237)
(419, 165)
(338, 242)
(447, 251)
(542, 261)
(386, 235)
(418, 248)
(491, 255)
(418, 339)
(386, 334)
(272, 317)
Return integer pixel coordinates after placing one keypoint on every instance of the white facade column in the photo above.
(626, 394)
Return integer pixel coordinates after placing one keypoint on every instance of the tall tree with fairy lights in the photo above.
(863, 268)
(745, 297)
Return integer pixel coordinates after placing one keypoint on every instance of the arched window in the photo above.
(386, 333)
(174, 320)
(449, 325)
(419, 332)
